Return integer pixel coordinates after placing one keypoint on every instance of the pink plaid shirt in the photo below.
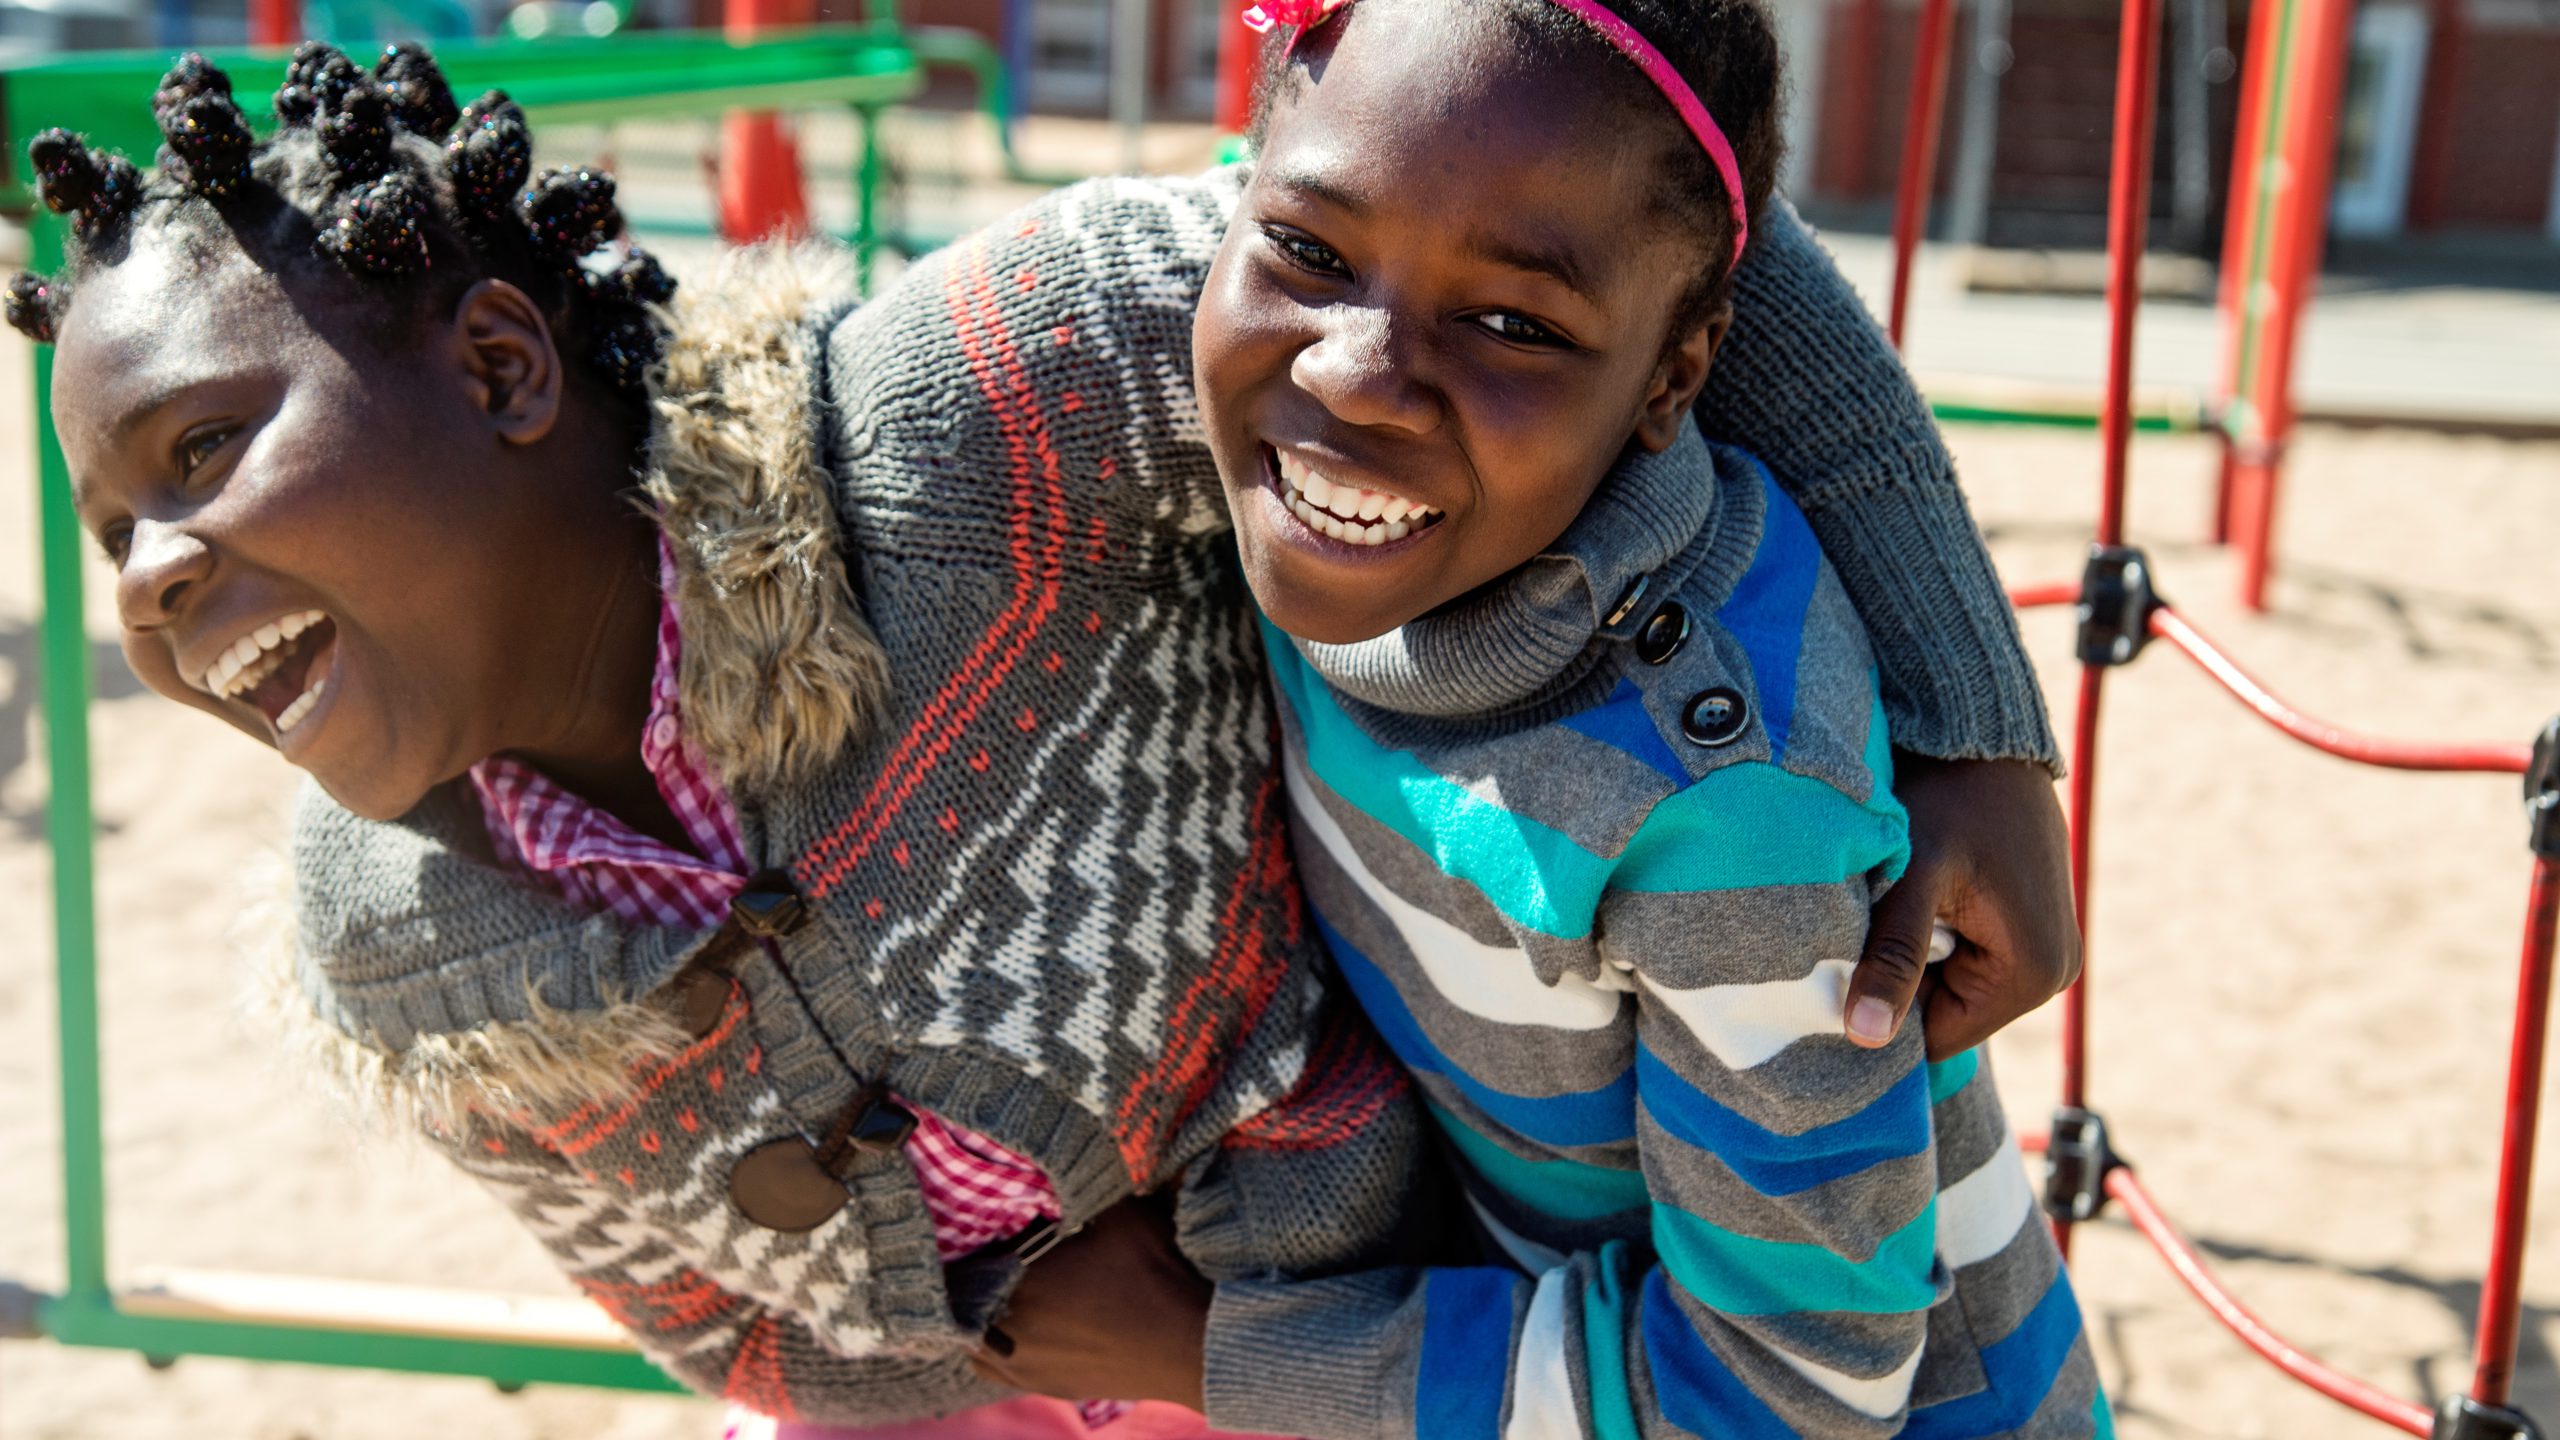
(977, 1191)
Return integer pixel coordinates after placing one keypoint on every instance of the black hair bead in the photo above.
(72, 179)
(210, 140)
(296, 106)
(382, 229)
(639, 280)
(356, 134)
(488, 157)
(191, 77)
(29, 305)
(420, 99)
(568, 213)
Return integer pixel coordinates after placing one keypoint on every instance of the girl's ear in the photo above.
(1678, 379)
(509, 360)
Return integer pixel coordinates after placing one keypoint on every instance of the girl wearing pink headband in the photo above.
(1590, 774)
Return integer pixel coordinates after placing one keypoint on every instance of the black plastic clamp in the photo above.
(2077, 1161)
(2462, 1418)
(2116, 601)
(2542, 791)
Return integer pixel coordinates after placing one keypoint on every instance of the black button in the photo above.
(883, 1126)
(1715, 717)
(702, 997)
(1627, 603)
(768, 908)
(781, 1186)
(1664, 634)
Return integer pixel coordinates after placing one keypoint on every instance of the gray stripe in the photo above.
(1849, 1216)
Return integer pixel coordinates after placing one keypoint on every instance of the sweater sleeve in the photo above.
(1807, 381)
(1787, 1176)
(714, 1341)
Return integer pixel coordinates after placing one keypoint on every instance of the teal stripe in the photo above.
(1752, 824)
(1533, 873)
(1879, 751)
(1604, 1347)
(1952, 1074)
(1743, 1275)
(2104, 1415)
(1558, 1189)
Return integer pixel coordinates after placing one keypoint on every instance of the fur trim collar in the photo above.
(781, 672)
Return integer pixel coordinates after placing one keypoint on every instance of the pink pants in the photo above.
(1031, 1417)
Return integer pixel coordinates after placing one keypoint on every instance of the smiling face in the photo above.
(1440, 316)
(367, 561)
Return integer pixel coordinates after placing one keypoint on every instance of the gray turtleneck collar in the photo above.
(1655, 521)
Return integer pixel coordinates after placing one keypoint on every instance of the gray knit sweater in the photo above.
(964, 639)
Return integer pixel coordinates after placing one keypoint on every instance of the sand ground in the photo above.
(2303, 974)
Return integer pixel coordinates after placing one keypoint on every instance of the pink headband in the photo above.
(1306, 14)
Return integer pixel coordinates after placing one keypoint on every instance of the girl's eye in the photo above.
(1306, 254)
(116, 539)
(197, 448)
(1520, 330)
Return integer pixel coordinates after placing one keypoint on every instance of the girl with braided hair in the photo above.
(804, 893)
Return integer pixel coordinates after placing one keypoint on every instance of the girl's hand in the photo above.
(1113, 1313)
(1990, 858)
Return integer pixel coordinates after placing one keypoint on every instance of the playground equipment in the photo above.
(2288, 117)
(866, 68)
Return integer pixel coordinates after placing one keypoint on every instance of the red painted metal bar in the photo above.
(1239, 66)
(2126, 1188)
(2501, 1290)
(2036, 597)
(275, 22)
(2169, 625)
(2303, 113)
(761, 194)
(2241, 230)
(1919, 153)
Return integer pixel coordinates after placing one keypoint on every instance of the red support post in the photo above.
(2240, 230)
(275, 22)
(1239, 68)
(2300, 129)
(760, 189)
(2501, 1290)
(1920, 130)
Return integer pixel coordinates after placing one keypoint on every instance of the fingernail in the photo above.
(1871, 1020)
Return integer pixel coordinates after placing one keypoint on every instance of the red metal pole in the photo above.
(2501, 1289)
(2305, 114)
(274, 22)
(1239, 67)
(1920, 152)
(760, 190)
(2244, 216)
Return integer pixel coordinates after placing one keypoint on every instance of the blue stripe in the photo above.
(1536, 875)
(1466, 1353)
(2021, 1369)
(1948, 1077)
(1767, 608)
(1623, 724)
(1752, 824)
(1694, 1389)
(1604, 1346)
(1557, 1189)
(1746, 1275)
(1590, 1117)
(1893, 1126)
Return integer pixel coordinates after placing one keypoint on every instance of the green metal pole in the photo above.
(866, 196)
(63, 643)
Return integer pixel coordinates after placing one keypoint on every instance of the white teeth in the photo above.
(1397, 530)
(1317, 489)
(1373, 535)
(294, 713)
(1395, 508)
(251, 658)
(1372, 504)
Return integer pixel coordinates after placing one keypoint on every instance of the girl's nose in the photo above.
(1362, 372)
(162, 565)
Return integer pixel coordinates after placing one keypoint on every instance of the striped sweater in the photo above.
(1597, 870)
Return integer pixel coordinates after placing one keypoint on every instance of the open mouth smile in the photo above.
(1347, 514)
(280, 669)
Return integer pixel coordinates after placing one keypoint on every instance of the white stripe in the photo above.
(1879, 1397)
(1980, 1214)
(1490, 982)
(1746, 1025)
(1526, 1253)
(1542, 1405)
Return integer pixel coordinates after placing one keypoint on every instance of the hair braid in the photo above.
(378, 179)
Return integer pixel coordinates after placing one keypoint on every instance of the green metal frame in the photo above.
(867, 68)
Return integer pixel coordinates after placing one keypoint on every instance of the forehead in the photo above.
(1452, 92)
(166, 317)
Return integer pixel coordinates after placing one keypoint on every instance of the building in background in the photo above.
(2451, 125)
